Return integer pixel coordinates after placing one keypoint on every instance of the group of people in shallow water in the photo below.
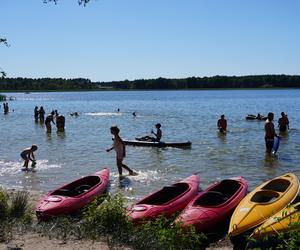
(39, 113)
(270, 133)
(119, 145)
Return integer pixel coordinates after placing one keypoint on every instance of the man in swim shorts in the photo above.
(269, 133)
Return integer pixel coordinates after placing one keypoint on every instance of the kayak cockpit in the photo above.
(218, 194)
(265, 196)
(166, 194)
(278, 185)
(78, 187)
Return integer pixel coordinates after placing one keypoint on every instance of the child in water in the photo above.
(119, 147)
(27, 154)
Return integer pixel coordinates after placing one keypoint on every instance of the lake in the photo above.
(184, 115)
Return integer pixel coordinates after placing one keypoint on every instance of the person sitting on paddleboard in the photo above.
(27, 154)
(119, 147)
(222, 124)
(283, 122)
(269, 133)
(157, 137)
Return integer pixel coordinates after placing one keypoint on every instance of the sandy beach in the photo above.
(30, 240)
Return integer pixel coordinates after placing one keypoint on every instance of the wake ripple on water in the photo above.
(103, 114)
(142, 177)
(13, 167)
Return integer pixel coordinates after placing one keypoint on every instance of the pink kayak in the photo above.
(71, 197)
(213, 205)
(165, 201)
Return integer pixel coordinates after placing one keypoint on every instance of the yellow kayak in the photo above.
(281, 222)
(263, 202)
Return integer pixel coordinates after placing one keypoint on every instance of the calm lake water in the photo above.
(184, 115)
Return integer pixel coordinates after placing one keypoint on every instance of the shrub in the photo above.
(19, 204)
(4, 208)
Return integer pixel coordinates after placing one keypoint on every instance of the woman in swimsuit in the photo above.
(119, 147)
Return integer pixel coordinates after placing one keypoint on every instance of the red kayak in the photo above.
(213, 205)
(71, 197)
(165, 201)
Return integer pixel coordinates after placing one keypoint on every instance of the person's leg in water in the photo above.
(26, 161)
(121, 165)
(269, 145)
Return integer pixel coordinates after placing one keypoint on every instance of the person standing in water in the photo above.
(269, 133)
(283, 122)
(48, 121)
(222, 124)
(60, 123)
(27, 155)
(36, 113)
(119, 147)
(42, 114)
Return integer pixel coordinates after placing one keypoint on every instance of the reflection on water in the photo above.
(271, 161)
(184, 115)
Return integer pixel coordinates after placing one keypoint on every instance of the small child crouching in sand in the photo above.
(27, 154)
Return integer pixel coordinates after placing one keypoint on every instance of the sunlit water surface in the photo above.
(184, 115)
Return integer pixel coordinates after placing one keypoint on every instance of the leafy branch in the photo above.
(80, 2)
(4, 41)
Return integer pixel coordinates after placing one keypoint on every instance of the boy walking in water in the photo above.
(27, 154)
(119, 147)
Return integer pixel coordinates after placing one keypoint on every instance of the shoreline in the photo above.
(136, 90)
(26, 239)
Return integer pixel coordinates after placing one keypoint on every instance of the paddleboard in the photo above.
(276, 145)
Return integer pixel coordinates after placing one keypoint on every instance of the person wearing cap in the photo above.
(283, 122)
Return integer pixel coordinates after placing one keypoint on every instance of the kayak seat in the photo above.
(265, 196)
(211, 198)
(278, 185)
(65, 192)
(227, 187)
(82, 188)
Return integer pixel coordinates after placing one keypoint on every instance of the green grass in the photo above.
(105, 219)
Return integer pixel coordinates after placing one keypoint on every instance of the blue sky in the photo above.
(133, 39)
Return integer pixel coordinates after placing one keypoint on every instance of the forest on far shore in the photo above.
(213, 82)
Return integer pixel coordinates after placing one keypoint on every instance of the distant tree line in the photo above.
(214, 82)
(20, 84)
